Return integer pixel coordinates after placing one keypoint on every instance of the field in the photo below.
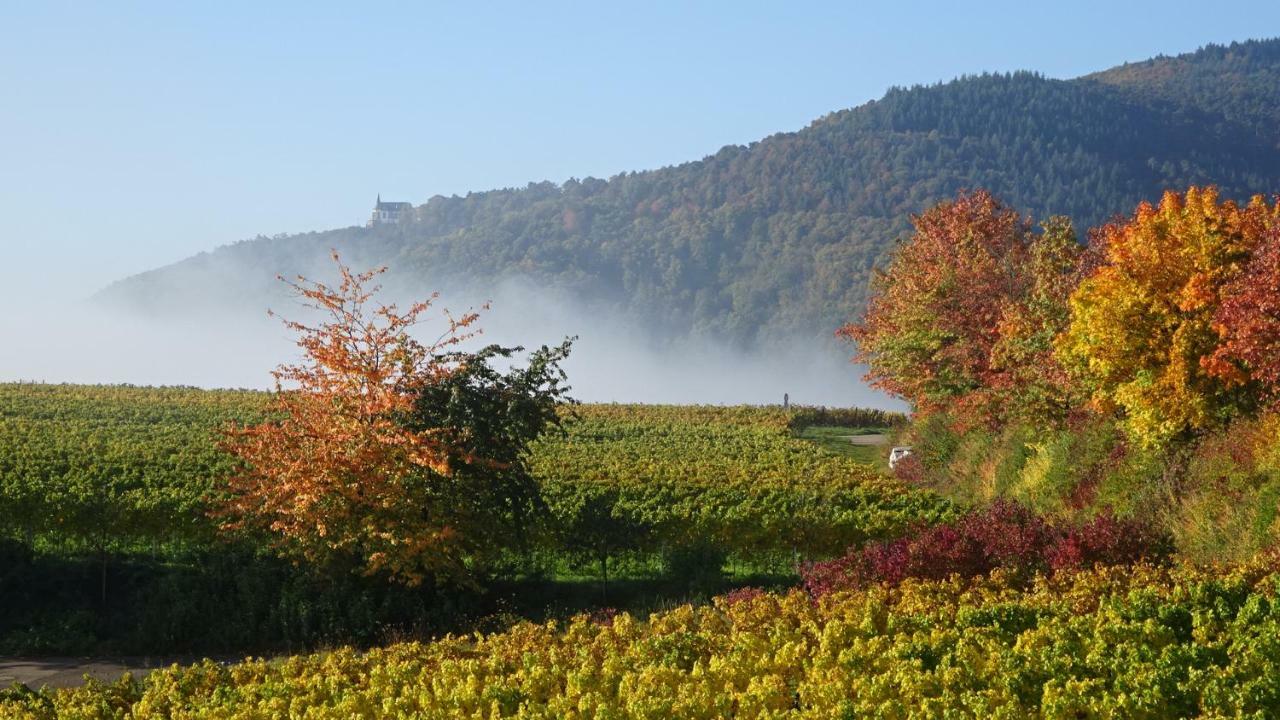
(105, 495)
(121, 469)
(731, 478)
(112, 469)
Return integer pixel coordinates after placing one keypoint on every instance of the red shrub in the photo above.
(1105, 540)
(1009, 535)
(828, 576)
(742, 594)
(1003, 535)
(941, 552)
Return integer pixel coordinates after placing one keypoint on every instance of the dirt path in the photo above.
(868, 439)
(61, 672)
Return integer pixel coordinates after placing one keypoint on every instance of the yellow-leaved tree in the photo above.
(1142, 326)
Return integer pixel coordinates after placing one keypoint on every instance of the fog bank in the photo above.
(611, 361)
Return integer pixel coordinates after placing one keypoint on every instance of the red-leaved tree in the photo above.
(1248, 321)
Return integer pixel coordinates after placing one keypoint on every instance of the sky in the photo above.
(135, 134)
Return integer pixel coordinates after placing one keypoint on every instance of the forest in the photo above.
(778, 239)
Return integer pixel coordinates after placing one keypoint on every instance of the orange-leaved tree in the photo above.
(1144, 333)
(336, 474)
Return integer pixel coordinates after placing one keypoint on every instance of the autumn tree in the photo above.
(342, 471)
(967, 309)
(1144, 335)
(489, 417)
(1027, 379)
(1248, 322)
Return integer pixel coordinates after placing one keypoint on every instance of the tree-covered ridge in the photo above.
(779, 237)
(1237, 83)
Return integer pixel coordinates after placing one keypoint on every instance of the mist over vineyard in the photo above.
(237, 346)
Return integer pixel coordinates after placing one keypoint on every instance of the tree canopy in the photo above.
(1142, 335)
(964, 316)
(1168, 320)
(398, 457)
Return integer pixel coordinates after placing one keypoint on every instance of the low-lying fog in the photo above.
(84, 343)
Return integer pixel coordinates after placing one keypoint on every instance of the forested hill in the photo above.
(779, 237)
(1236, 84)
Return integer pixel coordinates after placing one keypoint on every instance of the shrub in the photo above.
(1004, 535)
(741, 595)
(1230, 493)
(1105, 540)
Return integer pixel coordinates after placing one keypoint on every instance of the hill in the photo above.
(778, 238)
(1237, 83)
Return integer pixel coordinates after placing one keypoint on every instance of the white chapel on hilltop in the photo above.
(388, 213)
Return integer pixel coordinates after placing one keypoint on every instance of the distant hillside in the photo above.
(1237, 83)
(778, 238)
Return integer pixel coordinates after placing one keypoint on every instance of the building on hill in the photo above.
(388, 213)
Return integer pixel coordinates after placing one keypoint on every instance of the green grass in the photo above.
(835, 440)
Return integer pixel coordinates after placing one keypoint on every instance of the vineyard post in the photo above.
(604, 573)
(102, 556)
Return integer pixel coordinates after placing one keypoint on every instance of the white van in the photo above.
(896, 454)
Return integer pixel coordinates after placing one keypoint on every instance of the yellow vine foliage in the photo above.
(1142, 325)
(1132, 642)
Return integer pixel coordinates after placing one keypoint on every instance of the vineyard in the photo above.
(106, 492)
(123, 469)
(732, 479)
(1122, 642)
(112, 468)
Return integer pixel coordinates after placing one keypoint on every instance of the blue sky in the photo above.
(135, 134)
